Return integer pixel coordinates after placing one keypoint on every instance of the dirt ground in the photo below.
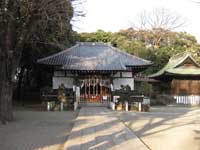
(37, 130)
(166, 128)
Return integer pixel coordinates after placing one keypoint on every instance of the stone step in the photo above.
(94, 104)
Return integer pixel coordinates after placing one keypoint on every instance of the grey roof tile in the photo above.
(94, 56)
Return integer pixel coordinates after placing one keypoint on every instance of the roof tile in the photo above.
(94, 56)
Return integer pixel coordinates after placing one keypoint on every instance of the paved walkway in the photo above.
(97, 128)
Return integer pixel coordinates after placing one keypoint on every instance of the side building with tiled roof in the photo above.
(95, 69)
(183, 73)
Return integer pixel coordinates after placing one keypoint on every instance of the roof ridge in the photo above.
(184, 56)
(179, 55)
(92, 43)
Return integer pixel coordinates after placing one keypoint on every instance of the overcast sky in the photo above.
(113, 15)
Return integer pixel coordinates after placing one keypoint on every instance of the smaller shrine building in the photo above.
(183, 73)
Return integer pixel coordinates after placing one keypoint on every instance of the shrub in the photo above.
(162, 100)
(145, 89)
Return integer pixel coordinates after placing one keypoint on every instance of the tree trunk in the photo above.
(7, 67)
(6, 93)
(6, 102)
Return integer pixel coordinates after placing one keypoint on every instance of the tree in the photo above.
(98, 36)
(22, 23)
(160, 18)
(159, 22)
(140, 43)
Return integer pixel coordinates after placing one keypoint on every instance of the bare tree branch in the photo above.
(159, 18)
(159, 22)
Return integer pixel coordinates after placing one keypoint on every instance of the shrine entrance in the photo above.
(95, 89)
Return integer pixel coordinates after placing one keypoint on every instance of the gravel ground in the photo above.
(166, 128)
(37, 130)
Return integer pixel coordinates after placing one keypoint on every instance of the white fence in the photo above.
(190, 99)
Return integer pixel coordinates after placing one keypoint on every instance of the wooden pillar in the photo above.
(89, 88)
(96, 87)
(93, 85)
(85, 84)
(101, 87)
(120, 74)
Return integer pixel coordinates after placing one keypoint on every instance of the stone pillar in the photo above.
(75, 106)
(48, 106)
(61, 106)
(140, 106)
(77, 94)
(113, 106)
(126, 106)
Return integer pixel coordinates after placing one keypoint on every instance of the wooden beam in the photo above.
(120, 74)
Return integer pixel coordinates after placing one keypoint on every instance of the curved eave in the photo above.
(144, 66)
(186, 75)
(168, 76)
(135, 68)
(185, 71)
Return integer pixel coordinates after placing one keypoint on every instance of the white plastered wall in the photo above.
(116, 74)
(117, 82)
(59, 73)
(126, 74)
(57, 81)
(122, 74)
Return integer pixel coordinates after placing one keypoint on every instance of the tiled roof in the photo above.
(94, 56)
(173, 67)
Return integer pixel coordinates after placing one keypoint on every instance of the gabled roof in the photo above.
(175, 67)
(94, 56)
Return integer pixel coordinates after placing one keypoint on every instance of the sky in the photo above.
(113, 15)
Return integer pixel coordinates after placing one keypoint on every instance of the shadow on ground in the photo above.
(37, 130)
(176, 127)
(102, 131)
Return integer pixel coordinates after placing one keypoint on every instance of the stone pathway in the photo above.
(97, 128)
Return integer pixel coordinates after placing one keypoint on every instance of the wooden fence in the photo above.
(188, 100)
